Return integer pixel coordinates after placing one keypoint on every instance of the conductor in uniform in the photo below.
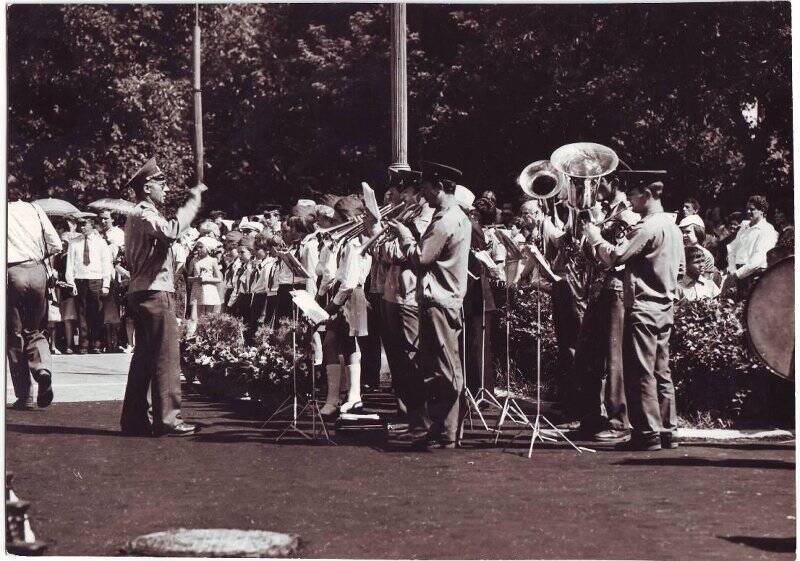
(440, 259)
(151, 302)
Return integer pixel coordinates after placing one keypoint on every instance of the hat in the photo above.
(306, 202)
(432, 171)
(692, 219)
(251, 226)
(148, 170)
(464, 197)
(404, 177)
(233, 236)
(324, 210)
(208, 227)
(81, 215)
(208, 242)
(349, 206)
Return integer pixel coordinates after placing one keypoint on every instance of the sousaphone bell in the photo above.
(542, 180)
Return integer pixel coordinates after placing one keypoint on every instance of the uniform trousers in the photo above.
(90, 312)
(598, 363)
(648, 380)
(567, 318)
(371, 347)
(400, 336)
(479, 336)
(155, 364)
(26, 318)
(436, 398)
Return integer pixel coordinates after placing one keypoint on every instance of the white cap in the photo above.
(464, 197)
(306, 202)
(692, 219)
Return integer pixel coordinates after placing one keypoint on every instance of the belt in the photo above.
(26, 262)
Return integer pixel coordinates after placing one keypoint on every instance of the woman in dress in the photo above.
(205, 275)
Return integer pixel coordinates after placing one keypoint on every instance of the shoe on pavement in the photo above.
(127, 350)
(668, 441)
(44, 396)
(68, 351)
(22, 404)
(55, 351)
(610, 435)
(639, 445)
(181, 429)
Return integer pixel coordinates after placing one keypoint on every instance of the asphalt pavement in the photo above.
(92, 490)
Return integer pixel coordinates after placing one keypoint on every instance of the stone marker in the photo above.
(215, 542)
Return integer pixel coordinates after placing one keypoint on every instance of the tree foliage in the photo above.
(296, 96)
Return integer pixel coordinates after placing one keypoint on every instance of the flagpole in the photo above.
(198, 101)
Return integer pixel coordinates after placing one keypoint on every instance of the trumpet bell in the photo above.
(542, 180)
(585, 160)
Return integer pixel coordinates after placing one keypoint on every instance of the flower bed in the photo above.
(226, 368)
(718, 382)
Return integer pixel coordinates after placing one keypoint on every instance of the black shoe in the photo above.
(181, 429)
(668, 441)
(44, 396)
(639, 445)
(416, 440)
(22, 404)
(95, 351)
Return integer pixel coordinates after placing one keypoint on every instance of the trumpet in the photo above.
(410, 212)
(355, 226)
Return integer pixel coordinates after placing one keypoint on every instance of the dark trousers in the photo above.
(648, 380)
(479, 346)
(26, 319)
(155, 364)
(89, 306)
(567, 317)
(400, 336)
(598, 363)
(284, 308)
(371, 347)
(436, 396)
(255, 317)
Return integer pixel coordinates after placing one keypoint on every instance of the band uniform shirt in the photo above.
(30, 234)
(326, 267)
(654, 258)
(747, 253)
(441, 257)
(400, 283)
(100, 266)
(263, 275)
(148, 244)
(351, 276)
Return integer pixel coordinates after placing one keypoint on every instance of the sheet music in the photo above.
(297, 269)
(306, 303)
(513, 251)
(370, 202)
(484, 257)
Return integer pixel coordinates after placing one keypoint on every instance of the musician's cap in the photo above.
(149, 170)
(324, 210)
(306, 202)
(464, 197)
(431, 171)
(349, 206)
(404, 177)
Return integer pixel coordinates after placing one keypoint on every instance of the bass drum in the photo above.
(770, 318)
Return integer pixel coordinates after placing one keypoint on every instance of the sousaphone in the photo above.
(542, 180)
(584, 163)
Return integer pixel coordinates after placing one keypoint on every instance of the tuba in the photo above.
(585, 163)
(542, 180)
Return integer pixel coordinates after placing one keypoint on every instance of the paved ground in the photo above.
(85, 377)
(92, 490)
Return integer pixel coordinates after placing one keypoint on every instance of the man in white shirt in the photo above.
(89, 270)
(747, 253)
(31, 239)
(114, 235)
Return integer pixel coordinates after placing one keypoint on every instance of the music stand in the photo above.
(293, 402)
(472, 403)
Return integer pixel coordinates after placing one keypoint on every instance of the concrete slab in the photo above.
(79, 378)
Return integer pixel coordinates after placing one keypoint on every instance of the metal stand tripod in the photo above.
(293, 402)
(472, 403)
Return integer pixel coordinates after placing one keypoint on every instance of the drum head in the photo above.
(770, 318)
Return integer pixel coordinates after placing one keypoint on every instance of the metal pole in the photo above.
(198, 101)
(399, 87)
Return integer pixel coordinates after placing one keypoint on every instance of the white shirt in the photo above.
(99, 267)
(264, 273)
(31, 235)
(116, 238)
(697, 290)
(749, 248)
